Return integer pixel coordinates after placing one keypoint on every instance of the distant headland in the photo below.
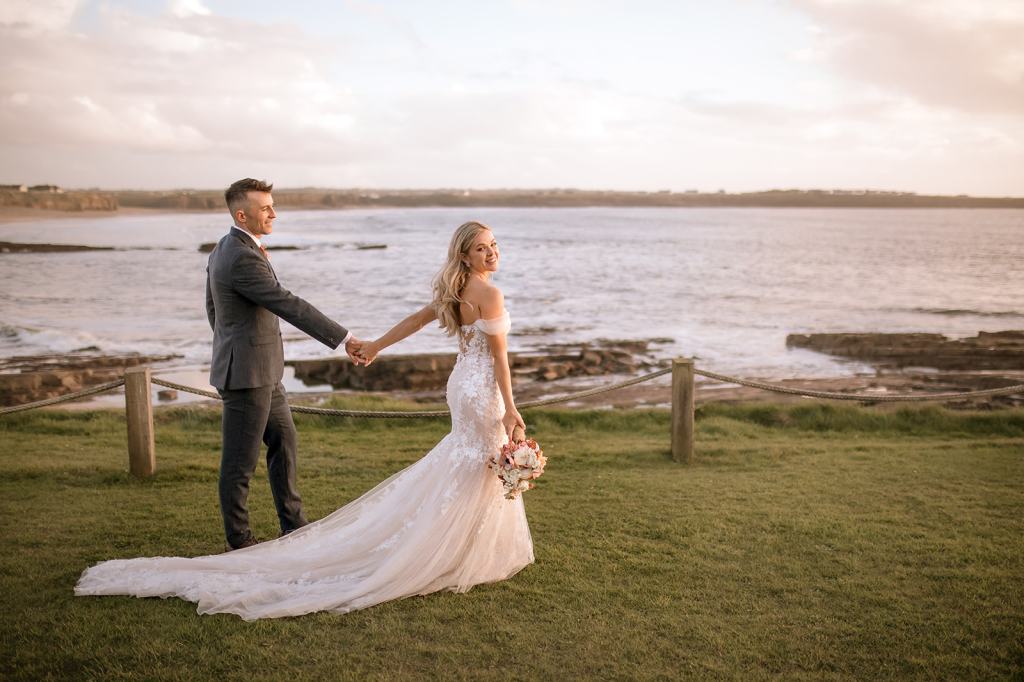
(53, 198)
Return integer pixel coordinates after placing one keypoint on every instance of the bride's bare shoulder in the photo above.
(485, 297)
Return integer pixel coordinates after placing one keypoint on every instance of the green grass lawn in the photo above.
(812, 542)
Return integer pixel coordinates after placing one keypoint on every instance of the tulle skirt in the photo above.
(440, 524)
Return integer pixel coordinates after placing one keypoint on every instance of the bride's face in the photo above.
(483, 254)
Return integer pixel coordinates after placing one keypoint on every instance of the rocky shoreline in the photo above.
(429, 372)
(14, 247)
(28, 378)
(206, 247)
(904, 363)
(987, 350)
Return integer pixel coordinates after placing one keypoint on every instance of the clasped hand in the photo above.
(361, 352)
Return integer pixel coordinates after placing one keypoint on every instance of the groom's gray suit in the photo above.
(243, 302)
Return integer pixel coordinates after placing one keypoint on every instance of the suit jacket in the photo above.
(243, 303)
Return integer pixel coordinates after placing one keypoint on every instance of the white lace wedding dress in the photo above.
(440, 524)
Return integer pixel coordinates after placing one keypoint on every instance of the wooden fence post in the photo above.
(138, 405)
(682, 410)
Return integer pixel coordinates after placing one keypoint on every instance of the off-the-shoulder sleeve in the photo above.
(495, 326)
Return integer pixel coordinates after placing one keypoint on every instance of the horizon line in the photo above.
(857, 191)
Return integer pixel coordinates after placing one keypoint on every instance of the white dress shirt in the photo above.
(248, 234)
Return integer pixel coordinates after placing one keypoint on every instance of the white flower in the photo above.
(525, 457)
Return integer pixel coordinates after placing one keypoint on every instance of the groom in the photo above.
(243, 302)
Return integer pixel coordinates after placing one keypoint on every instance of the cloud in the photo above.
(189, 82)
(188, 8)
(185, 80)
(189, 97)
(965, 56)
(395, 23)
(37, 15)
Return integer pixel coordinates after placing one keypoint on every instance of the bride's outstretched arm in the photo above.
(407, 327)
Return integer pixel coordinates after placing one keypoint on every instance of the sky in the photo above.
(741, 95)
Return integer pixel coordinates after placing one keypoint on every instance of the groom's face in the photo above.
(258, 214)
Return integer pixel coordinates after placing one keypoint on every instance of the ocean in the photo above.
(724, 285)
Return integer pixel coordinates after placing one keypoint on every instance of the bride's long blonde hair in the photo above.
(451, 280)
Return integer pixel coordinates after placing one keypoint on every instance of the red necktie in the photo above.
(265, 254)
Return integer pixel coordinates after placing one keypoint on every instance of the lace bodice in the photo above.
(472, 339)
(472, 392)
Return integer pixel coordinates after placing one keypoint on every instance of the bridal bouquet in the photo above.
(518, 464)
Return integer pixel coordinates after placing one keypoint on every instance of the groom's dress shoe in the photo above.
(291, 530)
(249, 542)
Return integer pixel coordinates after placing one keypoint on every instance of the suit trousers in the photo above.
(252, 415)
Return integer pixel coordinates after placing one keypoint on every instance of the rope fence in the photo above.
(406, 414)
(862, 397)
(138, 404)
(724, 378)
(383, 414)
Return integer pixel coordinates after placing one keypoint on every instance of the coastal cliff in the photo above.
(325, 198)
(59, 201)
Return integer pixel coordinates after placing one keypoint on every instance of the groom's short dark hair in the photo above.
(236, 193)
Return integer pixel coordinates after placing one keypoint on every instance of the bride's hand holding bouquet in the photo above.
(512, 421)
(519, 463)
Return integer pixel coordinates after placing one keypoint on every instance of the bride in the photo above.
(440, 524)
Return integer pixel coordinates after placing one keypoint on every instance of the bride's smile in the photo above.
(483, 255)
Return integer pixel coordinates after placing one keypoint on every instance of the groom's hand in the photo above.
(352, 348)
